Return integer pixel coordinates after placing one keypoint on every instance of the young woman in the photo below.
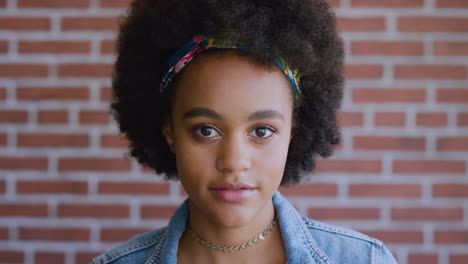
(233, 98)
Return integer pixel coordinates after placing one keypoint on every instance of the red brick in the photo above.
(56, 93)
(431, 119)
(89, 23)
(2, 186)
(106, 94)
(423, 258)
(310, 190)
(391, 48)
(51, 187)
(450, 190)
(49, 257)
(52, 140)
(446, 48)
(427, 214)
(389, 143)
(363, 71)
(452, 3)
(428, 166)
(433, 24)
(24, 23)
(344, 213)
(350, 118)
(386, 95)
(93, 210)
(452, 144)
(400, 237)
(3, 3)
(86, 257)
(430, 71)
(27, 210)
(134, 188)
(13, 116)
(3, 139)
(54, 47)
(23, 163)
(3, 93)
(115, 3)
(364, 24)
(4, 233)
(387, 3)
(54, 234)
(85, 70)
(458, 259)
(157, 211)
(396, 119)
(23, 70)
(452, 95)
(3, 46)
(53, 3)
(108, 47)
(53, 117)
(451, 237)
(349, 166)
(94, 164)
(120, 234)
(11, 256)
(114, 141)
(94, 117)
(385, 190)
(462, 119)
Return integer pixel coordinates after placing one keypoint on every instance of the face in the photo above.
(231, 128)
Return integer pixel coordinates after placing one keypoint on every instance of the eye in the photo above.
(263, 132)
(206, 131)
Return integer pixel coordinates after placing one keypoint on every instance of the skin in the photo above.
(231, 122)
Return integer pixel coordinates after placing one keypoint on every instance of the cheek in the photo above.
(272, 160)
(193, 163)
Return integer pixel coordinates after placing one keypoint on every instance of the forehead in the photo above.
(231, 84)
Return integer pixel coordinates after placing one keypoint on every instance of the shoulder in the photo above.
(139, 247)
(344, 245)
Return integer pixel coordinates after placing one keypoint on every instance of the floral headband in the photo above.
(199, 43)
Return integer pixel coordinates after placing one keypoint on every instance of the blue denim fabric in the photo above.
(305, 240)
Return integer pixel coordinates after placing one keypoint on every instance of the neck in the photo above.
(231, 229)
(231, 232)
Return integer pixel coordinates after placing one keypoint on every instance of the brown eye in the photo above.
(263, 132)
(206, 131)
(260, 132)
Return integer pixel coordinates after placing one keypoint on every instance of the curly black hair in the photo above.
(302, 32)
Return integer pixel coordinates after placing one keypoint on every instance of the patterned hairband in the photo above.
(199, 43)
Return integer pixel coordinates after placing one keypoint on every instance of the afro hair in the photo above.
(302, 32)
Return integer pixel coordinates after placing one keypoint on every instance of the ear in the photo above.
(168, 132)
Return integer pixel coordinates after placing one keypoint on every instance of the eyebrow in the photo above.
(206, 112)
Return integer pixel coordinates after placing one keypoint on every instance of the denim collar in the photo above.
(299, 244)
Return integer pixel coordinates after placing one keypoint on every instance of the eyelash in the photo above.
(196, 128)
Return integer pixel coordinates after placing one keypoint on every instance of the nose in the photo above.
(233, 155)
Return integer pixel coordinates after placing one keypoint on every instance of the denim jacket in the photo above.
(305, 240)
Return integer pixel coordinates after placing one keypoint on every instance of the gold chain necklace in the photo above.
(244, 245)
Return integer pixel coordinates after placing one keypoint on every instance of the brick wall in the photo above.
(68, 193)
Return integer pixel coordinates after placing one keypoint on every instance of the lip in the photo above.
(231, 186)
(232, 192)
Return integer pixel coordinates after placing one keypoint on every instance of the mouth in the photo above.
(232, 192)
(232, 186)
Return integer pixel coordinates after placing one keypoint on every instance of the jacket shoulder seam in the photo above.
(312, 224)
(131, 246)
